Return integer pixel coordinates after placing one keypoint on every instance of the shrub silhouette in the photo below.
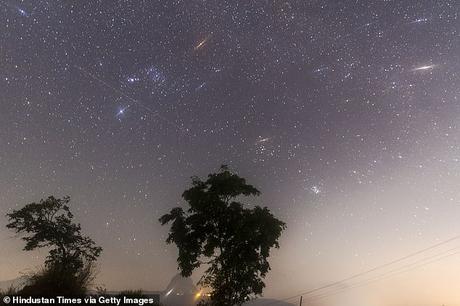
(69, 266)
(51, 281)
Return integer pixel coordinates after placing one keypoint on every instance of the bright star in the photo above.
(22, 12)
(122, 111)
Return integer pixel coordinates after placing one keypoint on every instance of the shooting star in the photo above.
(200, 86)
(418, 20)
(202, 43)
(425, 67)
(262, 140)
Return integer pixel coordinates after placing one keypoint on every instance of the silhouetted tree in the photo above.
(233, 241)
(49, 224)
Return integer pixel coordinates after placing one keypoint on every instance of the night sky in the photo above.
(345, 114)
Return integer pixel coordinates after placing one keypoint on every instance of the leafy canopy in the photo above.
(217, 230)
(49, 224)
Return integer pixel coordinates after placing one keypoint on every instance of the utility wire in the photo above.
(354, 276)
(406, 268)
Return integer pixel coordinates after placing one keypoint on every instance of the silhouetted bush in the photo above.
(55, 280)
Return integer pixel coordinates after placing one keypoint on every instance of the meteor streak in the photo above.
(202, 43)
(426, 67)
(262, 140)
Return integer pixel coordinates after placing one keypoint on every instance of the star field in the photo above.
(345, 114)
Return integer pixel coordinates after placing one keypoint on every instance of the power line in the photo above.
(354, 276)
(406, 268)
